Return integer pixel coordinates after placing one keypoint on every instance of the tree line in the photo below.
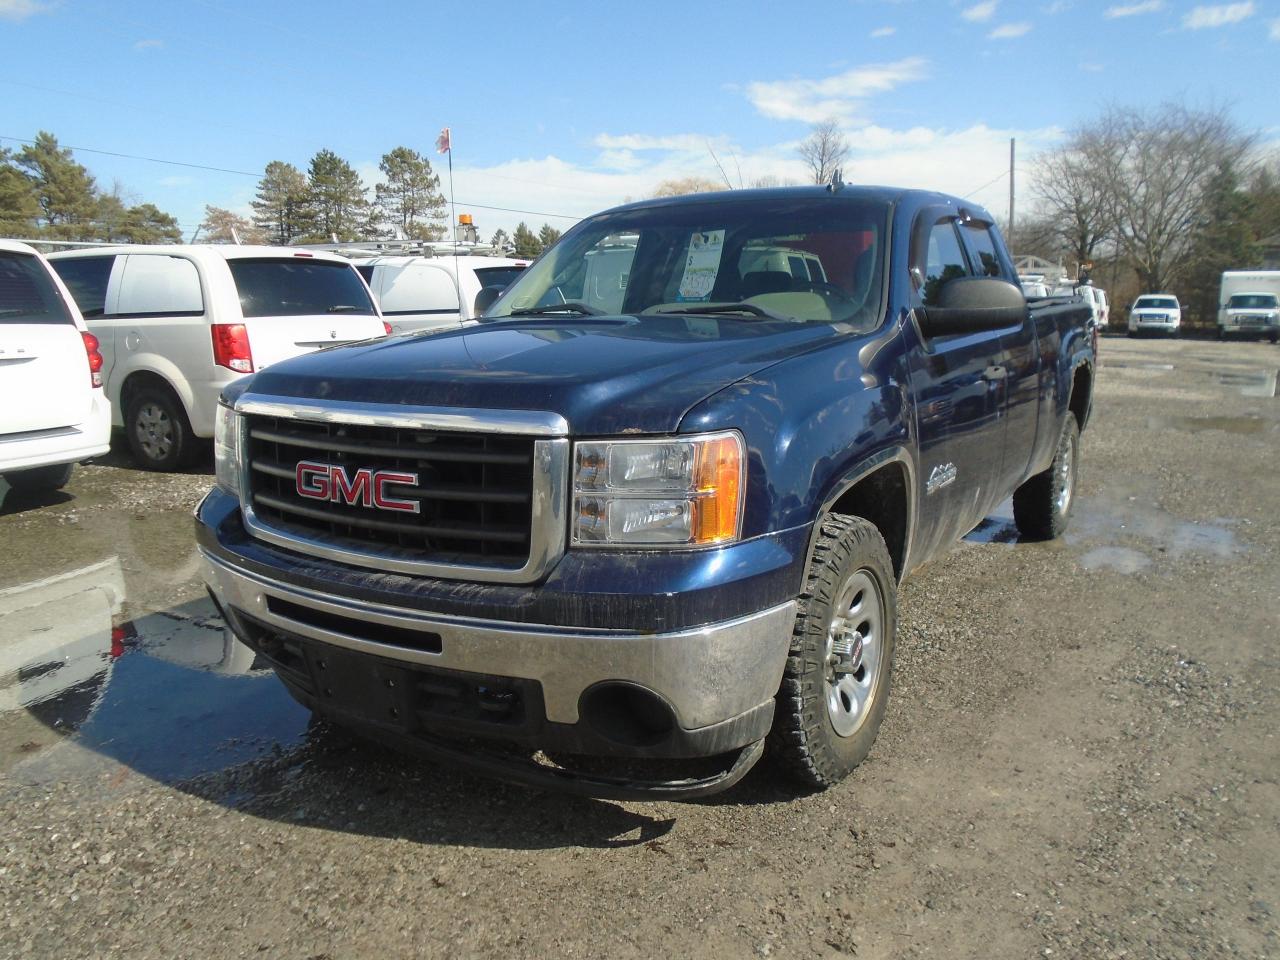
(1159, 200)
(45, 193)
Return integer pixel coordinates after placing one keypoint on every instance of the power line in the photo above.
(994, 180)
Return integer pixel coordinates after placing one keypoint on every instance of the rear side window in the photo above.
(27, 293)
(87, 279)
(159, 286)
(366, 271)
(419, 288)
(273, 287)
(498, 276)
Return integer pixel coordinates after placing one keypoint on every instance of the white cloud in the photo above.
(1009, 31)
(884, 32)
(641, 141)
(1275, 29)
(148, 45)
(1133, 9)
(1218, 16)
(1091, 67)
(837, 97)
(21, 9)
(980, 12)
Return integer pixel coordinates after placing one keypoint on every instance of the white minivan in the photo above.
(178, 323)
(52, 409)
(434, 293)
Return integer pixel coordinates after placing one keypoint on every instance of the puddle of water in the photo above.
(1258, 383)
(997, 528)
(172, 695)
(1119, 559)
(1245, 425)
(1126, 521)
(1136, 366)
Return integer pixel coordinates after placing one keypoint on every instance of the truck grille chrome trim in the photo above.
(489, 494)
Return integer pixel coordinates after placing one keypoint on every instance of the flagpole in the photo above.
(453, 207)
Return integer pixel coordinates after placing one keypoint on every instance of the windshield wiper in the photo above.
(569, 306)
(342, 308)
(751, 308)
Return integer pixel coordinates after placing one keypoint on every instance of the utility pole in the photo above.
(1012, 142)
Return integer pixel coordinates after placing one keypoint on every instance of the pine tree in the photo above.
(1224, 241)
(65, 190)
(146, 223)
(548, 235)
(336, 199)
(410, 200)
(527, 245)
(280, 207)
(19, 202)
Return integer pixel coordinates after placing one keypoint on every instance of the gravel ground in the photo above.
(1080, 758)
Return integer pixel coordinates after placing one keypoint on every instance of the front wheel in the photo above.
(1042, 505)
(836, 684)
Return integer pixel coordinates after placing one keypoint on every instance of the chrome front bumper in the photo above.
(707, 674)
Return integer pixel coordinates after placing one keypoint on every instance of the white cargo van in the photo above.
(434, 293)
(52, 408)
(178, 323)
(1249, 303)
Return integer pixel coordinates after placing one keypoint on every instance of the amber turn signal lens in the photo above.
(717, 477)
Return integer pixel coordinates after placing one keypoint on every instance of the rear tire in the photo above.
(1042, 505)
(40, 479)
(158, 431)
(836, 683)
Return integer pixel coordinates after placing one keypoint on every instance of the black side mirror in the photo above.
(973, 305)
(484, 300)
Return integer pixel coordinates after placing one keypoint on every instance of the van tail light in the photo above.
(386, 328)
(91, 345)
(231, 347)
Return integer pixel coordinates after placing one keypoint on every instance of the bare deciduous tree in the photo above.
(1073, 201)
(678, 188)
(824, 151)
(1153, 169)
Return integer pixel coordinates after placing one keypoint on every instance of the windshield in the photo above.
(793, 258)
(1157, 303)
(1253, 301)
(298, 287)
(27, 295)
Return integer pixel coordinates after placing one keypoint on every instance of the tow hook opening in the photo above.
(627, 714)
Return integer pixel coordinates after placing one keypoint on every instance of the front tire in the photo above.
(40, 479)
(836, 683)
(1042, 505)
(159, 434)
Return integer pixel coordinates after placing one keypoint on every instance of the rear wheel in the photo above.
(157, 429)
(836, 684)
(1042, 505)
(40, 479)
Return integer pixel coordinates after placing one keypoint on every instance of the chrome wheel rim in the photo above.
(154, 430)
(855, 643)
(1066, 476)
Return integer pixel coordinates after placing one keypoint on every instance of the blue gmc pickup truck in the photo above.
(646, 519)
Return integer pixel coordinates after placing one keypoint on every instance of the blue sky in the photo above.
(571, 107)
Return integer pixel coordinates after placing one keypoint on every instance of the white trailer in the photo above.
(1249, 303)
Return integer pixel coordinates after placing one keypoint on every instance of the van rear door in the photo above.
(293, 305)
(44, 368)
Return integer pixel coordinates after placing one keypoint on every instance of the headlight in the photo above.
(685, 491)
(226, 449)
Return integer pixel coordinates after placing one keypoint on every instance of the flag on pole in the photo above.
(442, 142)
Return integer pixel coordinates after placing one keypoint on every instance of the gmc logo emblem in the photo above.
(363, 488)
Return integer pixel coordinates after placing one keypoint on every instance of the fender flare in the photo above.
(158, 366)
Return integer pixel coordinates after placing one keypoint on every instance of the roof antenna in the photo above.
(836, 184)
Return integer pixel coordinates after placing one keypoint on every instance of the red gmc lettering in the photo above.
(364, 487)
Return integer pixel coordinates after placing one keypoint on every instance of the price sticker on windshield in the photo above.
(701, 266)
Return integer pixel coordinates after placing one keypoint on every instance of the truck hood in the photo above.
(605, 375)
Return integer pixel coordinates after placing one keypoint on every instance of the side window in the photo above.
(419, 288)
(86, 278)
(155, 285)
(984, 248)
(940, 259)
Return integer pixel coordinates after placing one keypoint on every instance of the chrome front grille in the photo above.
(483, 503)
